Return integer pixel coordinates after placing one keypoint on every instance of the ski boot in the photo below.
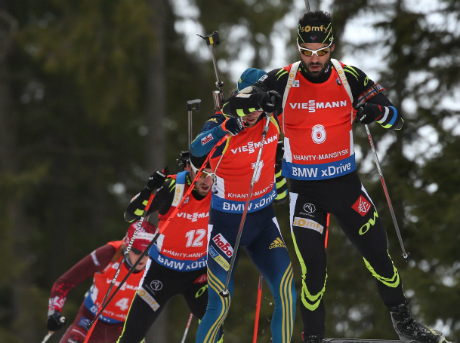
(409, 330)
(318, 338)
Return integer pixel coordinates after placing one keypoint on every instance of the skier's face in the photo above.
(134, 254)
(316, 64)
(203, 184)
(251, 118)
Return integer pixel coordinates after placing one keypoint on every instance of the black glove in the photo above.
(55, 322)
(368, 113)
(157, 179)
(270, 101)
(233, 125)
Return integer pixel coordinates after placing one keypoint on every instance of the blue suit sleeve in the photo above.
(209, 135)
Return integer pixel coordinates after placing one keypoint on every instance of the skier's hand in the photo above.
(270, 101)
(233, 125)
(157, 179)
(368, 113)
(55, 321)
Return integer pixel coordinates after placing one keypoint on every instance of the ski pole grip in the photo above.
(213, 38)
(193, 105)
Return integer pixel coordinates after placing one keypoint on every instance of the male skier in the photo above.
(177, 262)
(102, 265)
(320, 99)
(233, 164)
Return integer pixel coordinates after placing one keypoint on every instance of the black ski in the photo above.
(354, 340)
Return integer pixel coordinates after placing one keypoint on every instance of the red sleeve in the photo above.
(92, 263)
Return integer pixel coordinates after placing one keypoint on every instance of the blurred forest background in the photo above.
(92, 100)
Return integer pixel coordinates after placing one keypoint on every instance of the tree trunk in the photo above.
(16, 228)
(156, 111)
(156, 89)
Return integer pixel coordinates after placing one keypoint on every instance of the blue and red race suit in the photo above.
(233, 164)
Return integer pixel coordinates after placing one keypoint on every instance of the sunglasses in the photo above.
(136, 251)
(319, 52)
(204, 174)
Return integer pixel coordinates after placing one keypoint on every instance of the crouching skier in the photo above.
(233, 165)
(177, 262)
(103, 264)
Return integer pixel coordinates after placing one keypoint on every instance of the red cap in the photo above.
(144, 235)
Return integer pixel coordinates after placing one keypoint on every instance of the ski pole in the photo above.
(225, 293)
(259, 297)
(114, 280)
(131, 242)
(327, 230)
(161, 230)
(192, 105)
(47, 337)
(218, 96)
(187, 327)
(50, 333)
(404, 255)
